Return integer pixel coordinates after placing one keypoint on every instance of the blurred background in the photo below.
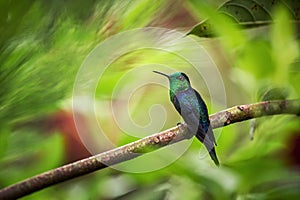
(44, 43)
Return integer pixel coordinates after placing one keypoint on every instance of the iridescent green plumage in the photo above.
(193, 110)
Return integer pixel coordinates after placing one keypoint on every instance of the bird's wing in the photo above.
(188, 109)
(203, 112)
(191, 113)
(205, 124)
(176, 104)
(211, 136)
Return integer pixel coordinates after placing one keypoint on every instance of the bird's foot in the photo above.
(180, 126)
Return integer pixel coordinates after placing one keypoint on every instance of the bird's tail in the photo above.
(210, 146)
(213, 156)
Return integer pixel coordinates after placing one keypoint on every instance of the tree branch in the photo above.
(144, 145)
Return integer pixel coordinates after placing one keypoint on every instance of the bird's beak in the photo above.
(162, 74)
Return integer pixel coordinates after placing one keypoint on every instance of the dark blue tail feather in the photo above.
(213, 156)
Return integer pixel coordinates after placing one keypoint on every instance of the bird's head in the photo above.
(179, 81)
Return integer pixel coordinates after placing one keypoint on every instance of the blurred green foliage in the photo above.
(43, 44)
(247, 14)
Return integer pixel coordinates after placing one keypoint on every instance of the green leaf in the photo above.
(267, 93)
(244, 13)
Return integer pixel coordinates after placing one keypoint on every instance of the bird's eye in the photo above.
(181, 78)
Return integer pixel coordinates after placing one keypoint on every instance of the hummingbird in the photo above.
(190, 105)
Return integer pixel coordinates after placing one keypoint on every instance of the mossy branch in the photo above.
(144, 145)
